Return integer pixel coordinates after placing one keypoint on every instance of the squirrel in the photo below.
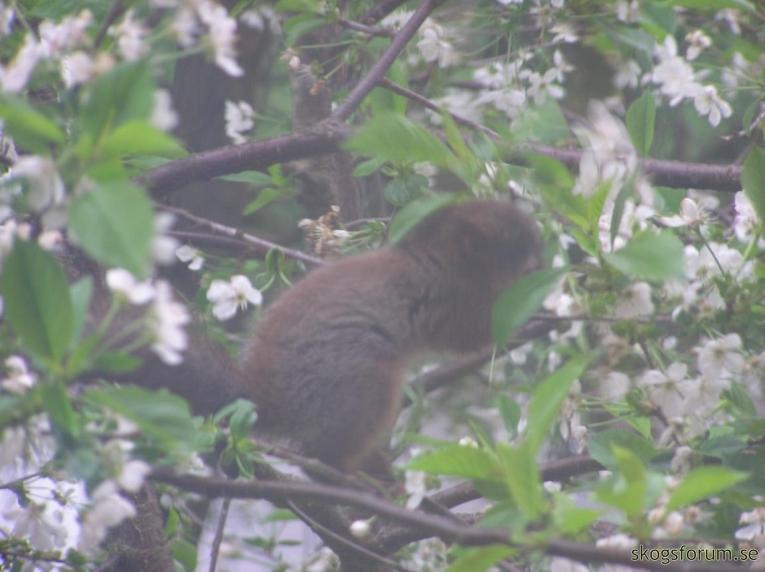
(326, 363)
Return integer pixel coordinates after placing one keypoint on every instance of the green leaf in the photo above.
(517, 304)
(403, 190)
(184, 553)
(570, 519)
(140, 138)
(702, 483)
(522, 478)
(636, 39)
(510, 412)
(650, 255)
(392, 137)
(414, 212)
(459, 461)
(547, 399)
(115, 225)
(601, 446)
(627, 490)
(480, 559)
(124, 93)
(265, 197)
(641, 118)
(80, 292)
(544, 123)
(37, 300)
(753, 181)
(715, 4)
(56, 402)
(116, 362)
(29, 128)
(159, 414)
(251, 177)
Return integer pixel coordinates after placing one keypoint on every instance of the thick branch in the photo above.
(380, 68)
(248, 156)
(327, 137)
(668, 173)
(435, 525)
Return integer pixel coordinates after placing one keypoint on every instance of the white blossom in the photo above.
(163, 115)
(608, 151)
(691, 214)
(730, 16)
(19, 379)
(240, 118)
(166, 320)
(185, 26)
(634, 301)
(671, 391)
(14, 76)
(414, 484)
(131, 36)
(721, 357)
(323, 561)
(708, 102)
(70, 33)
(132, 475)
(222, 30)
(564, 33)
(543, 85)
(79, 67)
(360, 528)
(558, 564)
(620, 542)
(109, 508)
(755, 529)
(615, 386)
(262, 18)
(163, 246)
(190, 255)
(39, 524)
(228, 296)
(674, 75)
(697, 42)
(627, 74)
(746, 224)
(122, 282)
(435, 46)
(45, 188)
(628, 10)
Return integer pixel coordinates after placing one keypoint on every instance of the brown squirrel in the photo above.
(327, 360)
(326, 363)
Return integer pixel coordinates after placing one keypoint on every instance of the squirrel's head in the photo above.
(491, 238)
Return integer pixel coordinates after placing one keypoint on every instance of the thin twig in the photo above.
(351, 545)
(380, 67)
(369, 30)
(115, 11)
(261, 244)
(218, 538)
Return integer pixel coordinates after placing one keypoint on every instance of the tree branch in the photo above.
(260, 244)
(446, 529)
(668, 173)
(380, 68)
(321, 140)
